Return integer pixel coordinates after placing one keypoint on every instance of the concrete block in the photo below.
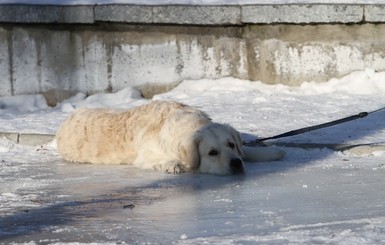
(25, 68)
(5, 67)
(161, 59)
(61, 60)
(14, 137)
(35, 139)
(292, 63)
(170, 14)
(197, 15)
(46, 14)
(138, 64)
(309, 13)
(123, 13)
(44, 60)
(374, 13)
(95, 63)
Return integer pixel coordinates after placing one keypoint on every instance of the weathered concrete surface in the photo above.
(193, 14)
(305, 13)
(46, 14)
(71, 58)
(374, 13)
(91, 59)
(173, 14)
(115, 46)
(292, 54)
(28, 139)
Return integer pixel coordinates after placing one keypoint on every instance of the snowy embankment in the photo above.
(251, 107)
(312, 196)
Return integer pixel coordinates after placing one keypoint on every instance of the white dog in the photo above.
(166, 136)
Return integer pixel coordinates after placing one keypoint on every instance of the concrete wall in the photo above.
(106, 48)
(90, 59)
(292, 54)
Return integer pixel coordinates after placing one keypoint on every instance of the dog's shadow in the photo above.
(79, 218)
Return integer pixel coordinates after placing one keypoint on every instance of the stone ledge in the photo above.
(315, 13)
(374, 13)
(171, 14)
(28, 139)
(193, 14)
(46, 14)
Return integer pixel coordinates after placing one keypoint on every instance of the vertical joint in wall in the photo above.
(10, 60)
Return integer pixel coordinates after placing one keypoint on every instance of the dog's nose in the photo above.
(236, 166)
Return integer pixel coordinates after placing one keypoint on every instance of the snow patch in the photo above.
(5, 145)
(366, 151)
(22, 103)
(120, 99)
(359, 82)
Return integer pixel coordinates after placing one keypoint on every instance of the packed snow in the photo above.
(314, 195)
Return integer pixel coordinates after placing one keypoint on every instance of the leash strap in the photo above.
(313, 128)
(316, 127)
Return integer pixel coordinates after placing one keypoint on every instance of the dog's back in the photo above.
(111, 136)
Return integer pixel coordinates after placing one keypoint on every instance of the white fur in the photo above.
(166, 136)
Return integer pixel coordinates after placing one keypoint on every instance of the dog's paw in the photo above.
(172, 167)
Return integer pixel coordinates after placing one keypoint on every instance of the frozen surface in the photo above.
(312, 196)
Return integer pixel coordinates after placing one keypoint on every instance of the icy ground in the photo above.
(313, 196)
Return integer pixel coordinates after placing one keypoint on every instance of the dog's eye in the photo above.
(231, 145)
(213, 153)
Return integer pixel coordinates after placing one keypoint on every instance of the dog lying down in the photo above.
(165, 136)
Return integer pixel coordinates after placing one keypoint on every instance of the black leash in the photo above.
(313, 128)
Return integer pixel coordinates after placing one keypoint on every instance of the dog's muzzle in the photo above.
(236, 166)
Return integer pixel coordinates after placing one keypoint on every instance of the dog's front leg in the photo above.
(262, 154)
(151, 159)
(171, 167)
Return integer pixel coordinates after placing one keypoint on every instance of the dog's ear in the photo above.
(189, 153)
(237, 139)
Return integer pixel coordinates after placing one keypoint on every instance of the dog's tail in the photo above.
(262, 154)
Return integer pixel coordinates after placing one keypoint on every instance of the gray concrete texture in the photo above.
(27, 139)
(91, 59)
(92, 49)
(193, 15)
(46, 14)
(196, 15)
(49, 58)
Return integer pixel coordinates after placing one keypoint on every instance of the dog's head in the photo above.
(216, 149)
